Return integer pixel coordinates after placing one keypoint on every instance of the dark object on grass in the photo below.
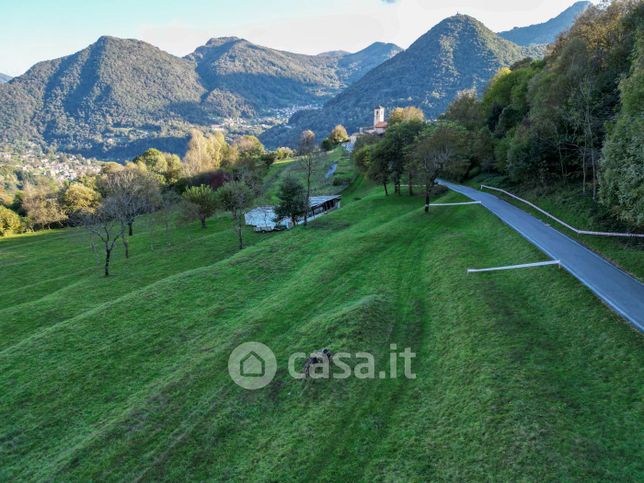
(318, 357)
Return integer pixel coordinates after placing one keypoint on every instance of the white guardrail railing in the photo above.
(561, 222)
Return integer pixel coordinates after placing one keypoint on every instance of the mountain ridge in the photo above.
(458, 53)
(546, 32)
(118, 92)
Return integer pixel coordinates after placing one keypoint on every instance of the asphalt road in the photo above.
(619, 290)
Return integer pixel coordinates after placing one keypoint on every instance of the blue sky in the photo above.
(35, 30)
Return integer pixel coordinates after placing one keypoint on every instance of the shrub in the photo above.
(9, 221)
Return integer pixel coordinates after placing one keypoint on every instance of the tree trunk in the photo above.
(384, 184)
(427, 188)
(202, 218)
(129, 228)
(411, 187)
(239, 233)
(126, 245)
(108, 252)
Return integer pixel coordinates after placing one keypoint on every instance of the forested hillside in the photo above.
(119, 97)
(575, 118)
(459, 53)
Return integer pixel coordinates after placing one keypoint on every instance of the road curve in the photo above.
(619, 290)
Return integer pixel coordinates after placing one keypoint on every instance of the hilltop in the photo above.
(459, 53)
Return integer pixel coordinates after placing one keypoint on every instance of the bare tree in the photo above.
(235, 197)
(306, 150)
(103, 227)
(130, 193)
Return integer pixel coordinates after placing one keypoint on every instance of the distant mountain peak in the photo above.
(546, 32)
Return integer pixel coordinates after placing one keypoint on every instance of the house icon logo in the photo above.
(252, 365)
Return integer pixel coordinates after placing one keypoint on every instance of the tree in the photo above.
(338, 135)
(41, 204)
(466, 110)
(205, 153)
(165, 165)
(9, 221)
(102, 225)
(292, 200)
(202, 202)
(622, 162)
(389, 153)
(249, 148)
(132, 193)
(284, 153)
(78, 199)
(379, 166)
(440, 149)
(406, 114)
(235, 197)
(306, 150)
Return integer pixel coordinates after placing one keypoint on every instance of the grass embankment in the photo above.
(569, 203)
(320, 183)
(521, 375)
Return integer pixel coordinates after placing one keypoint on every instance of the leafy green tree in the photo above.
(167, 166)
(202, 202)
(441, 149)
(249, 148)
(9, 221)
(236, 197)
(622, 162)
(78, 198)
(292, 200)
(391, 150)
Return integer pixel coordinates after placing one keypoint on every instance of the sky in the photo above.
(36, 30)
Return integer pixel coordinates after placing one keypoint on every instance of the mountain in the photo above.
(459, 53)
(119, 96)
(4, 78)
(547, 32)
(258, 79)
(355, 66)
(112, 92)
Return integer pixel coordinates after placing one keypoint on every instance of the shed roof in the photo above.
(319, 200)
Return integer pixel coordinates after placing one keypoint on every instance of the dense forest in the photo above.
(576, 116)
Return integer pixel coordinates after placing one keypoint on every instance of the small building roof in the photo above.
(319, 200)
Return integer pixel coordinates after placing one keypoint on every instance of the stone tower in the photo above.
(378, 115)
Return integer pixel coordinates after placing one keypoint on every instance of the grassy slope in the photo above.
(320, 184)
(571, 205)
(520, 375)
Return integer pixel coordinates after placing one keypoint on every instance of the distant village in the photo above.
(28, 160)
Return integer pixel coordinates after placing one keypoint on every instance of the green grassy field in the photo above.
(520, 375)
(570, 204)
